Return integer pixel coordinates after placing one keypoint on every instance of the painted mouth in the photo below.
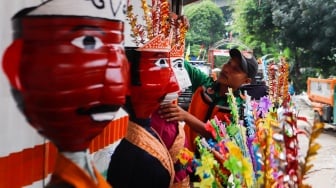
(100, 113)
(101, 117)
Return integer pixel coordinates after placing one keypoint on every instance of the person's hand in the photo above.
(172, 112)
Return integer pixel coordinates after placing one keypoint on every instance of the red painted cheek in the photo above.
(173, 84)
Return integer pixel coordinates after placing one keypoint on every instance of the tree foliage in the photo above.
(254, 25)
(310, 27)
(206, 21)
(302, 30)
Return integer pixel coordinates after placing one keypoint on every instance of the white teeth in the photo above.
(107, 116)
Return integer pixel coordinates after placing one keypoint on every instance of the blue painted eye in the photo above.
(87, 42)
(162, 63)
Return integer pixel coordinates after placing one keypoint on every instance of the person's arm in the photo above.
(197, 77)
(172, 112)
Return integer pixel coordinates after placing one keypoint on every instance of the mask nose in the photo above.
(173, 83)
(11, 63)
(116, 78)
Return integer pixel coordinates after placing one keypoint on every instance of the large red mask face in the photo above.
(71, 76)
(152, 78)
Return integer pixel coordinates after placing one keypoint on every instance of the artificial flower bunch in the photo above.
(225, 160)
(185, 158)
(257, 146)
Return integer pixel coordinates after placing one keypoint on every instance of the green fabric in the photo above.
(197, 77)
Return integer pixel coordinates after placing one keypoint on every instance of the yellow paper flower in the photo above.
(185, 156)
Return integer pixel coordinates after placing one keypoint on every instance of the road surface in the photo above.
(323, 174)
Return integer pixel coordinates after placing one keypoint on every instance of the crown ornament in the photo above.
(155, 22)
(158, 43)
(160, 30)
(177, 51)
(179, 29)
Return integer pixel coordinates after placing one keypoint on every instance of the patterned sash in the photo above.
(144, 140)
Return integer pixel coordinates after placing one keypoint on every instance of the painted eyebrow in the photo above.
(85, 27)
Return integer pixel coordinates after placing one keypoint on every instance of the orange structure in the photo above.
(321, 92)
